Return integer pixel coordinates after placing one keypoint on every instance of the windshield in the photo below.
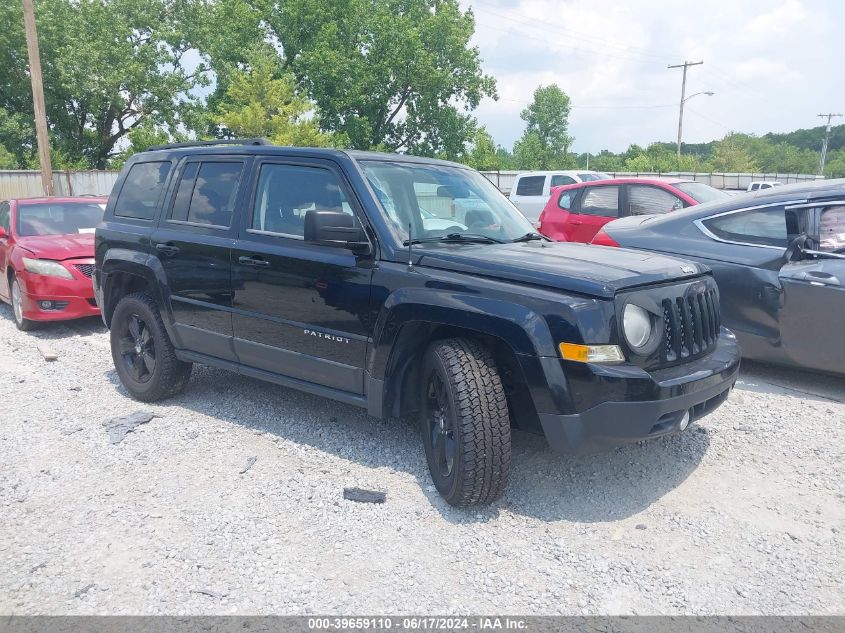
(593, 175)
(59, 218)
(700, 192)
(438, 200)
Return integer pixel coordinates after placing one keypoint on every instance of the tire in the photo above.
(465, 424)
(142, 352)
(24, 325)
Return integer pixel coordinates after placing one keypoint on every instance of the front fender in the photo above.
(523, 329)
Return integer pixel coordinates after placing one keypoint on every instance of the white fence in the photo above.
(504, 179)
(27, 184)
(23, 184)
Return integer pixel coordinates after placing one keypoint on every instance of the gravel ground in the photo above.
(742, 514)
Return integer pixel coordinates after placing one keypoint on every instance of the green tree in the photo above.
(732, 154)
(529, 153)
(262, 101)
(483, 153)
(108, 67)
(834, 166)
(143, 137)
(606, 161)
(396, 74)
(17, 137)
(7, 159)
(548, 118)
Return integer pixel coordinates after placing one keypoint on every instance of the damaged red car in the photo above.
(47, 258)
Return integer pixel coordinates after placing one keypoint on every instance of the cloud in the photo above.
(780, 20)
(610, 57)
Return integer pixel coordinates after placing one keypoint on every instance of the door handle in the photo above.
(167, 249)
(255, 262)
(816, 278)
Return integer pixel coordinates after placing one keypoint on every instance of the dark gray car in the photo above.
(778, 256)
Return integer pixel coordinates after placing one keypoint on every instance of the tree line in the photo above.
(388, 75)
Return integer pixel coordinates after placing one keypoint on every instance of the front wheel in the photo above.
(142, 352)
(465, 424)
(25, 325)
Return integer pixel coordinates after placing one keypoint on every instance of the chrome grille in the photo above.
(85, 269)
(690, 325)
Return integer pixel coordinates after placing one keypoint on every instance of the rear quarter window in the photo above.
(766, 227)
(567, 199)
(141, 190)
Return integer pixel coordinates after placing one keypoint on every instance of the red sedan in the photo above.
(47, 258)
(575, 213)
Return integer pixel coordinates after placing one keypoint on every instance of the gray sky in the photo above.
(774, 65)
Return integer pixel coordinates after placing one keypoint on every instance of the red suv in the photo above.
(575, 213)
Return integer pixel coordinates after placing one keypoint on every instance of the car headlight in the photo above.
(636, 323)
(46, 267)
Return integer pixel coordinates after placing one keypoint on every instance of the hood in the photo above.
(58, 247)
(579, 268)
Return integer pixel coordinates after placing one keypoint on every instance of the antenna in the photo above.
(410, 256)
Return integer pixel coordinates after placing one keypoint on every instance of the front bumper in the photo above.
(648, 404)
(68, 298)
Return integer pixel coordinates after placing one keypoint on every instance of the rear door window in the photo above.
(530, 186)
(646, 200)
(603, 200)
(207, 193)
(141, 190)
(561, 179)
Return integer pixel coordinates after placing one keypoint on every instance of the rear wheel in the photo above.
(465, 425)
(25, 325)
(142, 352)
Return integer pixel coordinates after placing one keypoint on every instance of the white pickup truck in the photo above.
(531, 189)
(756, 185)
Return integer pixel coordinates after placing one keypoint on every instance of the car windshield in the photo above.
(440, 200)
(700, 192)
(591, 176)
(59, 218)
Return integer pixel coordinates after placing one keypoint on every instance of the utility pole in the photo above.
(685, 65)
(823, 156)
(38, 98)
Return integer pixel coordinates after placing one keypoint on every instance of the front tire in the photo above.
(465, 425)
(142, 352)
(24, 325)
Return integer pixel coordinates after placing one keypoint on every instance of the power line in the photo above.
(707, 118)
(823, 156)
(685, 65)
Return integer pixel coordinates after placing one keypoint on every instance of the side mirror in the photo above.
(335, 228)
(795, 250)
(444, 192)
(3, 233)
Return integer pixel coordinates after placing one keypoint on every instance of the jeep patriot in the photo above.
(406, 286)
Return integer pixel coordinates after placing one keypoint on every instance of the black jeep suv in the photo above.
(407, 286)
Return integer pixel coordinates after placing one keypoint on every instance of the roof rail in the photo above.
(222, 141)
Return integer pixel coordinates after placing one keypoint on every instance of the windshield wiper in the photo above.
(468, 238)
(529, 237)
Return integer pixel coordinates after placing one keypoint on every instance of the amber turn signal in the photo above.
(591, 353)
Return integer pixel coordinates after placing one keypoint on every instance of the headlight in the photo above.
(637, 326)
(46, 267)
